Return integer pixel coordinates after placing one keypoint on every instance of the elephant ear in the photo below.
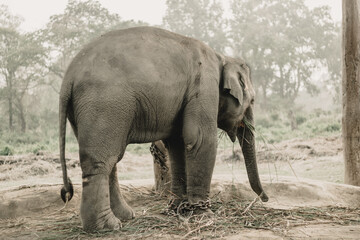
(231, 77)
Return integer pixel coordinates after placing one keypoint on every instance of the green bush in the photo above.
(274, 116)
(38, 149)
(6, 151)
(333, 127)
(318, 112)
(300, 119)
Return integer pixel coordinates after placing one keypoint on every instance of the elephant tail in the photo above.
(67, 190)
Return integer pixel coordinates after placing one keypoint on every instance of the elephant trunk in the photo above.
(247, 143)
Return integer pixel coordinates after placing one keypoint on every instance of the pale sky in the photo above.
(36, 13)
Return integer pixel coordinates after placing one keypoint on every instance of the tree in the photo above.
(20, 68)
(67, 32)
(201, 19)
(333, 63)
(9, 25)
(284, 42)
(351, 90)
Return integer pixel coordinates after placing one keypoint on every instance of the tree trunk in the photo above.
(10, 112)
(282, 83)
(351, 88)
(10, 100)
(161, 167)
(292, 119)
(22, 116)
(264, 100)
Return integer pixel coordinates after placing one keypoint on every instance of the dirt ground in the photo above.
(303, 179)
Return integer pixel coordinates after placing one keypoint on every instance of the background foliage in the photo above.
(294, 53)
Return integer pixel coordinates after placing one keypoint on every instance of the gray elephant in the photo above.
(144, 84)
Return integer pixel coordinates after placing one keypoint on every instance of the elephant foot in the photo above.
(106, 220)
(118, 204)
(197, 213)
(199, 207)
(183, 208)
(123, 211)
(95, 208)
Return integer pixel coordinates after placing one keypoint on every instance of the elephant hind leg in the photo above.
(95, 210)
(117, 202)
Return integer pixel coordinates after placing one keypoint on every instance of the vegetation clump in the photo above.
(6, 151)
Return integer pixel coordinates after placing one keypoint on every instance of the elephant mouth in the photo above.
(233, 132)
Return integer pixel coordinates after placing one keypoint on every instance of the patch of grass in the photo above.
(275, 116)
(34, 141)
(309, 126)
(48, 141)
(6, 151)
(38, 149)
(300, 119)
(333, 127)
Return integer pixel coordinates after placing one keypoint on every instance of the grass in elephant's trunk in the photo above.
(244, 123)
(230, 216)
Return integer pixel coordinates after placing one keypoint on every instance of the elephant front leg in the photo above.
(117, 202)
(95, 210)
(200, 148)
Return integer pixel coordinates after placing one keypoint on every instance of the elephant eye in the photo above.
(252, 101)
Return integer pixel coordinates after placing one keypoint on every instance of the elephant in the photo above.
(144, 84)
(162, 167)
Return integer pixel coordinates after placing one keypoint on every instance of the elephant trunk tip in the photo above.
(67, 192)
(264, 197)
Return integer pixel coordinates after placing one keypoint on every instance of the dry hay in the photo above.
(230, 217)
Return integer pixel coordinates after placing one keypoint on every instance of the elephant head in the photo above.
(235, 115)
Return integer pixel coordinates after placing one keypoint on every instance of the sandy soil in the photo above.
(299, 207)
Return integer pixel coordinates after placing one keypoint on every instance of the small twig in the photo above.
(31, 230)
(197, 229)
(268, 163)
(307, 235)
(250, 205)
(215, 195)
(184, 222)
(277, 177)
(67, 200)
(315, 223)
(287, 159)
